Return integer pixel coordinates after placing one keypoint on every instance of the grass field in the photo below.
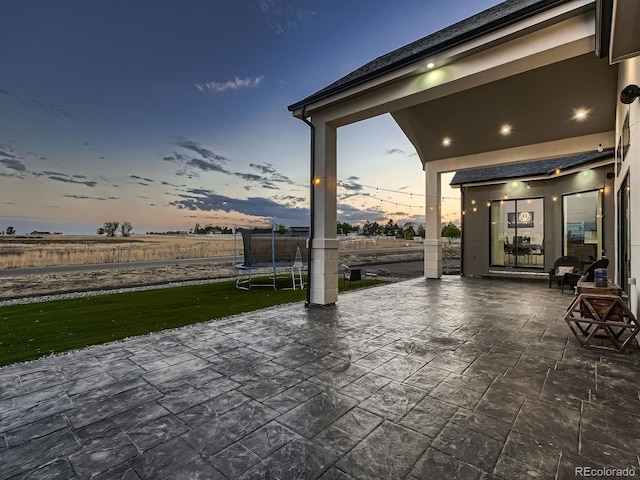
(18, 252)
(48, 250)
(38, 329)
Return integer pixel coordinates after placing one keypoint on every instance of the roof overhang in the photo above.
(539, 71)
(546, 170)
(625, 30)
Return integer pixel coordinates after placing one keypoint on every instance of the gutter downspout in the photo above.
(311, 202)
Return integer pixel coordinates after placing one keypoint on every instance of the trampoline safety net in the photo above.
(268, 249)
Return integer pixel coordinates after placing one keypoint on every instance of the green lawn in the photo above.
(34, 330)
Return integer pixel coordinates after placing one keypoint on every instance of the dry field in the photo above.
(351, 253)
(48, 250)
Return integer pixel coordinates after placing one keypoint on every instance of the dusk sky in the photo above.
(168, 113)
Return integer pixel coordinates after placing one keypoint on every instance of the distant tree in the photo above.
(391, 228)
(371, 228)
(346, 228)
(451, 231)
(125, 229)
(421, 231)
(409, 232)
(100, 231)
(110, 228)
(11, 231)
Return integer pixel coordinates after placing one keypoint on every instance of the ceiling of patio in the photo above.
(539, 106)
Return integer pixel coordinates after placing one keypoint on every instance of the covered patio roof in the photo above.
(531, 66)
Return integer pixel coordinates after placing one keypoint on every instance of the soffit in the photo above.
(539, 105)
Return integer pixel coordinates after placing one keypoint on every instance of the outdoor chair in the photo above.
(572, 279)
(562, 265)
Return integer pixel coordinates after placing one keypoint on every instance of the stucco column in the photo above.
(433, 238)
(324, 245)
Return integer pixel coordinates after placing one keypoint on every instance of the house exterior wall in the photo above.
(629, 73)
(476, 234)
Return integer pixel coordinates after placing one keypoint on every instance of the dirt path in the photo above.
(399, 265)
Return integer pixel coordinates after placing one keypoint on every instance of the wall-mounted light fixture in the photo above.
(629, 94)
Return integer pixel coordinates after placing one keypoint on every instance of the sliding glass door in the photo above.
(517, 233)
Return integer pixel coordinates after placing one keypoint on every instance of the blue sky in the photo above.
(167, 113)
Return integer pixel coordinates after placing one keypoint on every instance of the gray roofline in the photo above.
(488, 24)
(539, 168)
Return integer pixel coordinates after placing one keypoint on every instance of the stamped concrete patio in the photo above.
(451, 379)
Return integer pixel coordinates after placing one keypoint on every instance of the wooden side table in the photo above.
(602, 313)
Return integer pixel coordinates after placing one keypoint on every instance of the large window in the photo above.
(583, 225)
(517, 233)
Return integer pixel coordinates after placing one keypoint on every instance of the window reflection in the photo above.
(583, 225)
(517, 233)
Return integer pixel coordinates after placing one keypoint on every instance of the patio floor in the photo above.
(452, 379)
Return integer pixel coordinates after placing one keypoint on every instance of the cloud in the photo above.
(399, 151)
(203, 152)
(351, 185)
(13, 164)
(359, 215)
(172, 184)
(83, 197)
(206, 161)
(200, 199)
(50, 107)
(235, 84)
(284, 16)
(266, 169)
(66, 179)
(207, 166)
(290, 199)
(393, 151)
(10, 160)
(63, 177)
(250, 177)
(345, 196)
(268, 180)
(136, 177)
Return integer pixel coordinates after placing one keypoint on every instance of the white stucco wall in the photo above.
(629, 73)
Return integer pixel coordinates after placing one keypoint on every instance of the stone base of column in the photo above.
(324, 273)
(433, 258)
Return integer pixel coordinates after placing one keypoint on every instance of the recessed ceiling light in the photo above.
(505, 129)
(431, 65)
(446, 141)
(580, 114)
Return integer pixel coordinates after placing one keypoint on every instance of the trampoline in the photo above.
(271, 253)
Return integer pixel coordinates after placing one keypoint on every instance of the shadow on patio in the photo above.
(457, 378)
